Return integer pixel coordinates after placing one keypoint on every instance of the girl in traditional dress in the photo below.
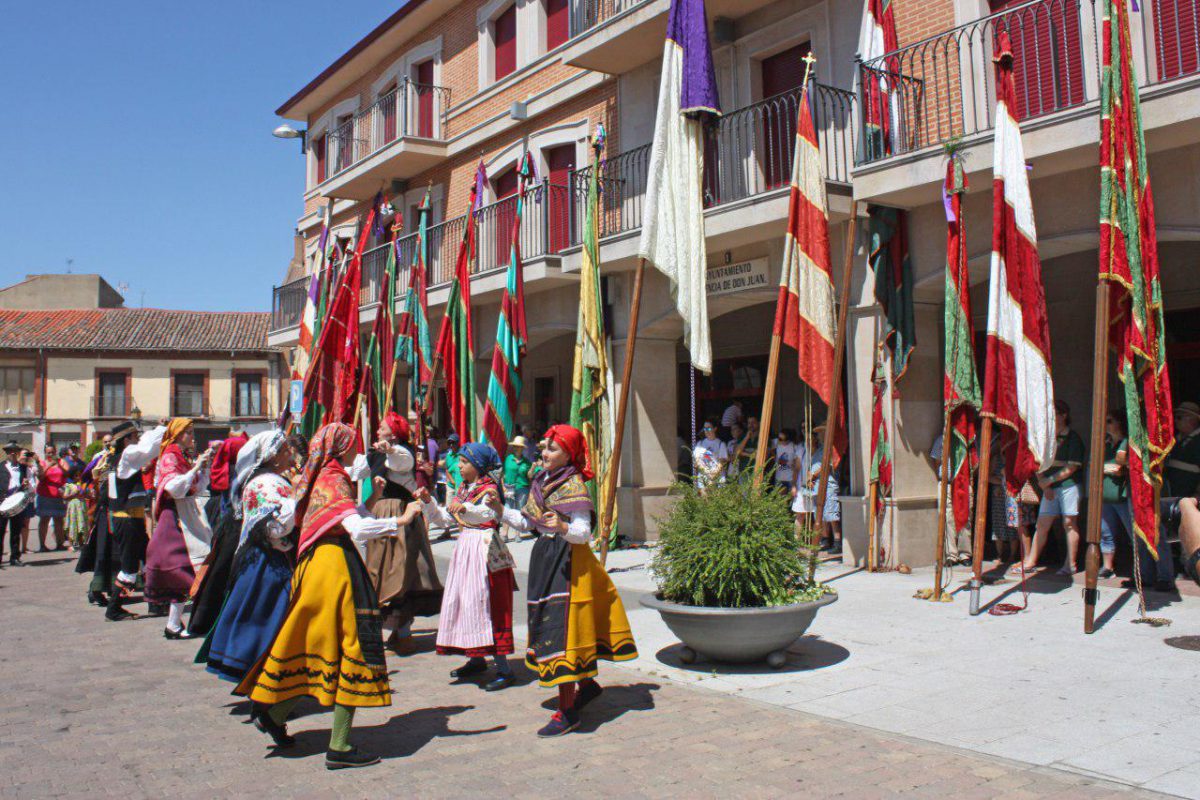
(170, 556)
(476, 616)
(575, 614)
(329, 646)
(262, 568)
(401, 567)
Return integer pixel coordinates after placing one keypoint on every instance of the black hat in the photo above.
(12, 445)
(122, 429)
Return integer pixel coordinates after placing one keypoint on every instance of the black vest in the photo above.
(131, 493)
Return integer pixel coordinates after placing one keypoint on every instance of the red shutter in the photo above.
(1047, 53)
(319, 151)
(1177, 32)
(424, 89)
(560, 161)
(782, 72)
(501, 215)
(506, 42)
(557, 28)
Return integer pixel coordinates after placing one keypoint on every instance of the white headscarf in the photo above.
(260, 448)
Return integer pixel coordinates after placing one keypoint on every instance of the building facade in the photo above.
(69, 375)
(441, 84)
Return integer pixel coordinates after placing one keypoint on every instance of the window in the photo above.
(319, 154)
(505, 35)
(782, 72)
(187, 398)
(423, 77)
(557, 27)
(17, 385)
(1047, 54)
(248, 400)
(1177, 32)
(560, 162)
(343, 142)
(387, 109)
(112, 394)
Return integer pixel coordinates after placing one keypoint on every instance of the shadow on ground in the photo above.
(804, 655)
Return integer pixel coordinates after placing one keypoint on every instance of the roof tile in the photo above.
(135, 329)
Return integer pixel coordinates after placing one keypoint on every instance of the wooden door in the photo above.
(560, 163)
(423, 74)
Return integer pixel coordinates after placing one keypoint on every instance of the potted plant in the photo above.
(735, 581)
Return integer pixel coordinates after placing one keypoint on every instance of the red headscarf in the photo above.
(328, 444)
(398, 425)
(573, 441)
(224, 459)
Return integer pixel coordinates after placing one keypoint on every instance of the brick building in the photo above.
(443, 83)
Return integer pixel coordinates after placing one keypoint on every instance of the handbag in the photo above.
(1028, 495)
(498, 556)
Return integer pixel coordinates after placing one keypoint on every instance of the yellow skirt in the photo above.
(597, 627)
(317, 651)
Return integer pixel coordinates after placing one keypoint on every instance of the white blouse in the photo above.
(399, 463)
(363, 527)
(579, 527)
(473, 516)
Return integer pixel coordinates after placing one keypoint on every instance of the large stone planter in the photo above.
(738, 635)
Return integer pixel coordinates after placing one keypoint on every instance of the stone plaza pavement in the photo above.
(98, 709)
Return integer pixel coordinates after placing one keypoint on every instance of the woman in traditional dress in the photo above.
(224, 514)
(476, 617)
(401, 567)
(260, 585)
(169, 560)
(329, 646)
(575, 614)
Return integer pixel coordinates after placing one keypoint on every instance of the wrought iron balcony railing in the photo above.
(749, 152)
(943, 88)
(587, 14)
(411, 110)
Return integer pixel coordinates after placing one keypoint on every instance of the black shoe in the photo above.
(97, 598)
(270, 727)
(116, 614)
(1106, 573)
(157, 609)
(499, 682)
(472, 667)
(562, 722)
(182, 633)
(349, 759)
(588, 692)
(16, 562)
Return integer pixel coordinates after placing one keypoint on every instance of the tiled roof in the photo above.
(135, 329)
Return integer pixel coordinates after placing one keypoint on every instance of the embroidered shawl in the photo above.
(330, 500)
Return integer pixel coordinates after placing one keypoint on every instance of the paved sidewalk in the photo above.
(1031, 687)
(97, 709)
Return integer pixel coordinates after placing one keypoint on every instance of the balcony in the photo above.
(942, 89)
(616, 36)
(399, 135)
(748, 158)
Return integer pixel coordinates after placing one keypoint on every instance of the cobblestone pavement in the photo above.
(102, 709)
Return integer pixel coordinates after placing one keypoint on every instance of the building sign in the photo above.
(737, 277)
(296, 398)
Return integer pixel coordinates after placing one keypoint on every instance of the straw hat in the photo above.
(518, 441)
(1189, 407)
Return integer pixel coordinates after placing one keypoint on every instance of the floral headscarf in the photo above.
(265, 496)
(258, 450)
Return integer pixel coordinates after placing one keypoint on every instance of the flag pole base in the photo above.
(975, 586)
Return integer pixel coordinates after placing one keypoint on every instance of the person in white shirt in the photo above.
(787, 452)
(709, 457)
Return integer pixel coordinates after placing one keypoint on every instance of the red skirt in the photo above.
(169, 572)
(501, 586)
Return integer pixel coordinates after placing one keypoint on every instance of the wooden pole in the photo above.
(1096, 457)
(939, 549)
(981, 493)
(872, 521)
(614, 462)
(833, 415)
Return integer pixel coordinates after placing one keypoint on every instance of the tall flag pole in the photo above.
(804, 309)
(591, 376)
(1128, 306)
(308, 318)
(877, 38)
(512, 335)
(961, 395)
(455, 350)
(412, 330)
(673, 232)
(1018, 393)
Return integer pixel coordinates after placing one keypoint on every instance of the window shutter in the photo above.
(424, 88)
(557, 27)
(506, 42)
(1047, 53)
(319, 150)
(503, 213)
(560, 161)
(1178, 37)
(782, 72)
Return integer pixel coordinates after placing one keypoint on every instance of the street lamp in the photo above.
(286, 131)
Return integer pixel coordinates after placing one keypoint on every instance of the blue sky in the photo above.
(137, 140)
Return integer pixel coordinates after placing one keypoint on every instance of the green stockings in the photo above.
(343, 718)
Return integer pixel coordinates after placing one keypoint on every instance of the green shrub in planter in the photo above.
(732, 547)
